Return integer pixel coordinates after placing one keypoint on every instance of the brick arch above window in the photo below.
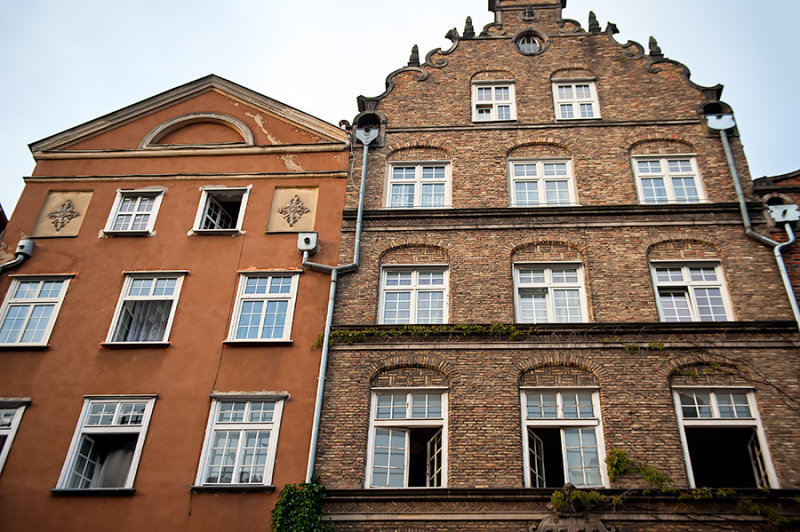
(685, 249)
(707, 373)
(491, 75)
(660, 146)
(559, 373)
(546, 251)
(413, 367)
(558, 147)
(410, 151)
(570, 72)
(415, 253)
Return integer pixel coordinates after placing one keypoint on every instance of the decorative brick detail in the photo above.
(419, 153)
(588, 366)
(540, 150)
(545, 143)
(572, 72)
(420, 362)
(557, 376)
(490, 75)
(708, 375)
(546, 252)
(658, 146)
(409, 376)
(683, 249)
(415, 253)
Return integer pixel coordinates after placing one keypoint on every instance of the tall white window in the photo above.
(221, 209)
(264, 307)
(668, 179)
(146, 308)
(562, 438)
(413, 295)
(542, 182)
(423, 185)
(723, 442)
(408, 439)
(10, 415)
(690, 291)
(241, 439)
(107, 444)
(30, 308)
(575, 100)
(550, 293)
(134, 211)
(493, 101)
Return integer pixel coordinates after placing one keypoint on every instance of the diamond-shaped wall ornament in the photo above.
(63, 215)
(294, 210)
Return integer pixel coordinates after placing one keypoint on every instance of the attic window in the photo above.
(221, 210)
(528, 44)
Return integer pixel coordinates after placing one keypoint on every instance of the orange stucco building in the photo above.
(158, 361)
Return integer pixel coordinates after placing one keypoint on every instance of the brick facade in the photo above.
(619, 351)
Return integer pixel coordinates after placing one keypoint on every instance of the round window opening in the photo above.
(528, 44)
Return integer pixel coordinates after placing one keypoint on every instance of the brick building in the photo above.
(554, 271)
(157, 363)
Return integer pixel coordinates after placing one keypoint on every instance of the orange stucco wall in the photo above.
(197, 362)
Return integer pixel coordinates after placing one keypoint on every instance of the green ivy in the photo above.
(577, 500)
(299, 508)
(497, 330)
(619, 463)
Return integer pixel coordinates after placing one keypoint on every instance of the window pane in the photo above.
(709, 304)
(542, 405)
(433, 172)
(529, 276)
(431, 278)
(553, 169)
(695, 405)
(567, 305)
(526, 193)
(13, 323)
(653, 190)
(577, 405)
(256, 285)
(649, 167)
(231, 412)
(426, 406)
(37, 323)
(674, 306)
(582, 92)
(398, 278)
(503, 112)
(403, 172)
(388, 459)
(391, 406)
(524, 170)
(664, 275)
(679, 166)
(586, 110)
(565, 275)
(566, 110)
(484, 94)
(565, 92)
(50, 289)
(280, 285)
(533, 306)
(430, 307)
(583, 464)
(274, 319)
(501, 94)
(684, 189)
(402, 196)
(261, 411)
(703, 274)
(397, 308)
(432, 195)
(249, 320)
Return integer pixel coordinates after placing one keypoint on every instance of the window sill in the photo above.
(134, 345)
(503, 120)
(93, 492)
(223, 232)
(127, 233)
(258, 341)
(233, 488)
(578, 119)
(26, 347)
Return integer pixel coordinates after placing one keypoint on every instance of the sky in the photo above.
(65, 63)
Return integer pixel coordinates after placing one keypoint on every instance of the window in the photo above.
(545, 182)
(528, 44)
(107, 444)
(413, 295)
(723, 441)
(10, 416)
(264, 307)
(668, 180)
(575, 100)
(30, 309)
(493, 102)
(563, 438)
(550, 293)
(134, 211)
(146, 307)
(240, 442)
(221, 209)
(425, 185)
(408, 439)
(690, 292)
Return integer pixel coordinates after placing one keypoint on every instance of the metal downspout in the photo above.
(24, 251)
(366, 136)
(777, 247)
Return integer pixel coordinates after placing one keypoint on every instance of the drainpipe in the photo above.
(722, 123)
(24, 251)
(366, 136)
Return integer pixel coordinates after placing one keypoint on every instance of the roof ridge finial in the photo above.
(594, 27)
(414, 59)
(469, 31)
(655, 51)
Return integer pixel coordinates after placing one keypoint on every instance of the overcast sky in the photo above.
(67, 62)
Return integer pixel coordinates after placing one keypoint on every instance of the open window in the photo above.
(11, 411)
(723, 441)
(221, 210)
(107, 445)
(408, 439)
(562, 438)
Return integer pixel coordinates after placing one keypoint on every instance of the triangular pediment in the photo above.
(208, 113)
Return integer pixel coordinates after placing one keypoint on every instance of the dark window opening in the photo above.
(421, 451)
(221, 210)
(545, 446)
(103, 461)
(726, 458)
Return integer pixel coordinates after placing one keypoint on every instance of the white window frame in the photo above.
(667, 177)
(207, 198)
(541, 181)
(564, 423)
(84, 428)
(492, 104)
(414, 289)
(124, 297)
(242, 297)
(689, 287)
(156, 193)
(15, 300)
(418, 182)
(405, 424)
(716, 420)
(11, 411)
(549, 286)
(215, 425)
(574, 101)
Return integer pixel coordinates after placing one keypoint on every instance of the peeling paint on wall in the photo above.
(261, 123)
